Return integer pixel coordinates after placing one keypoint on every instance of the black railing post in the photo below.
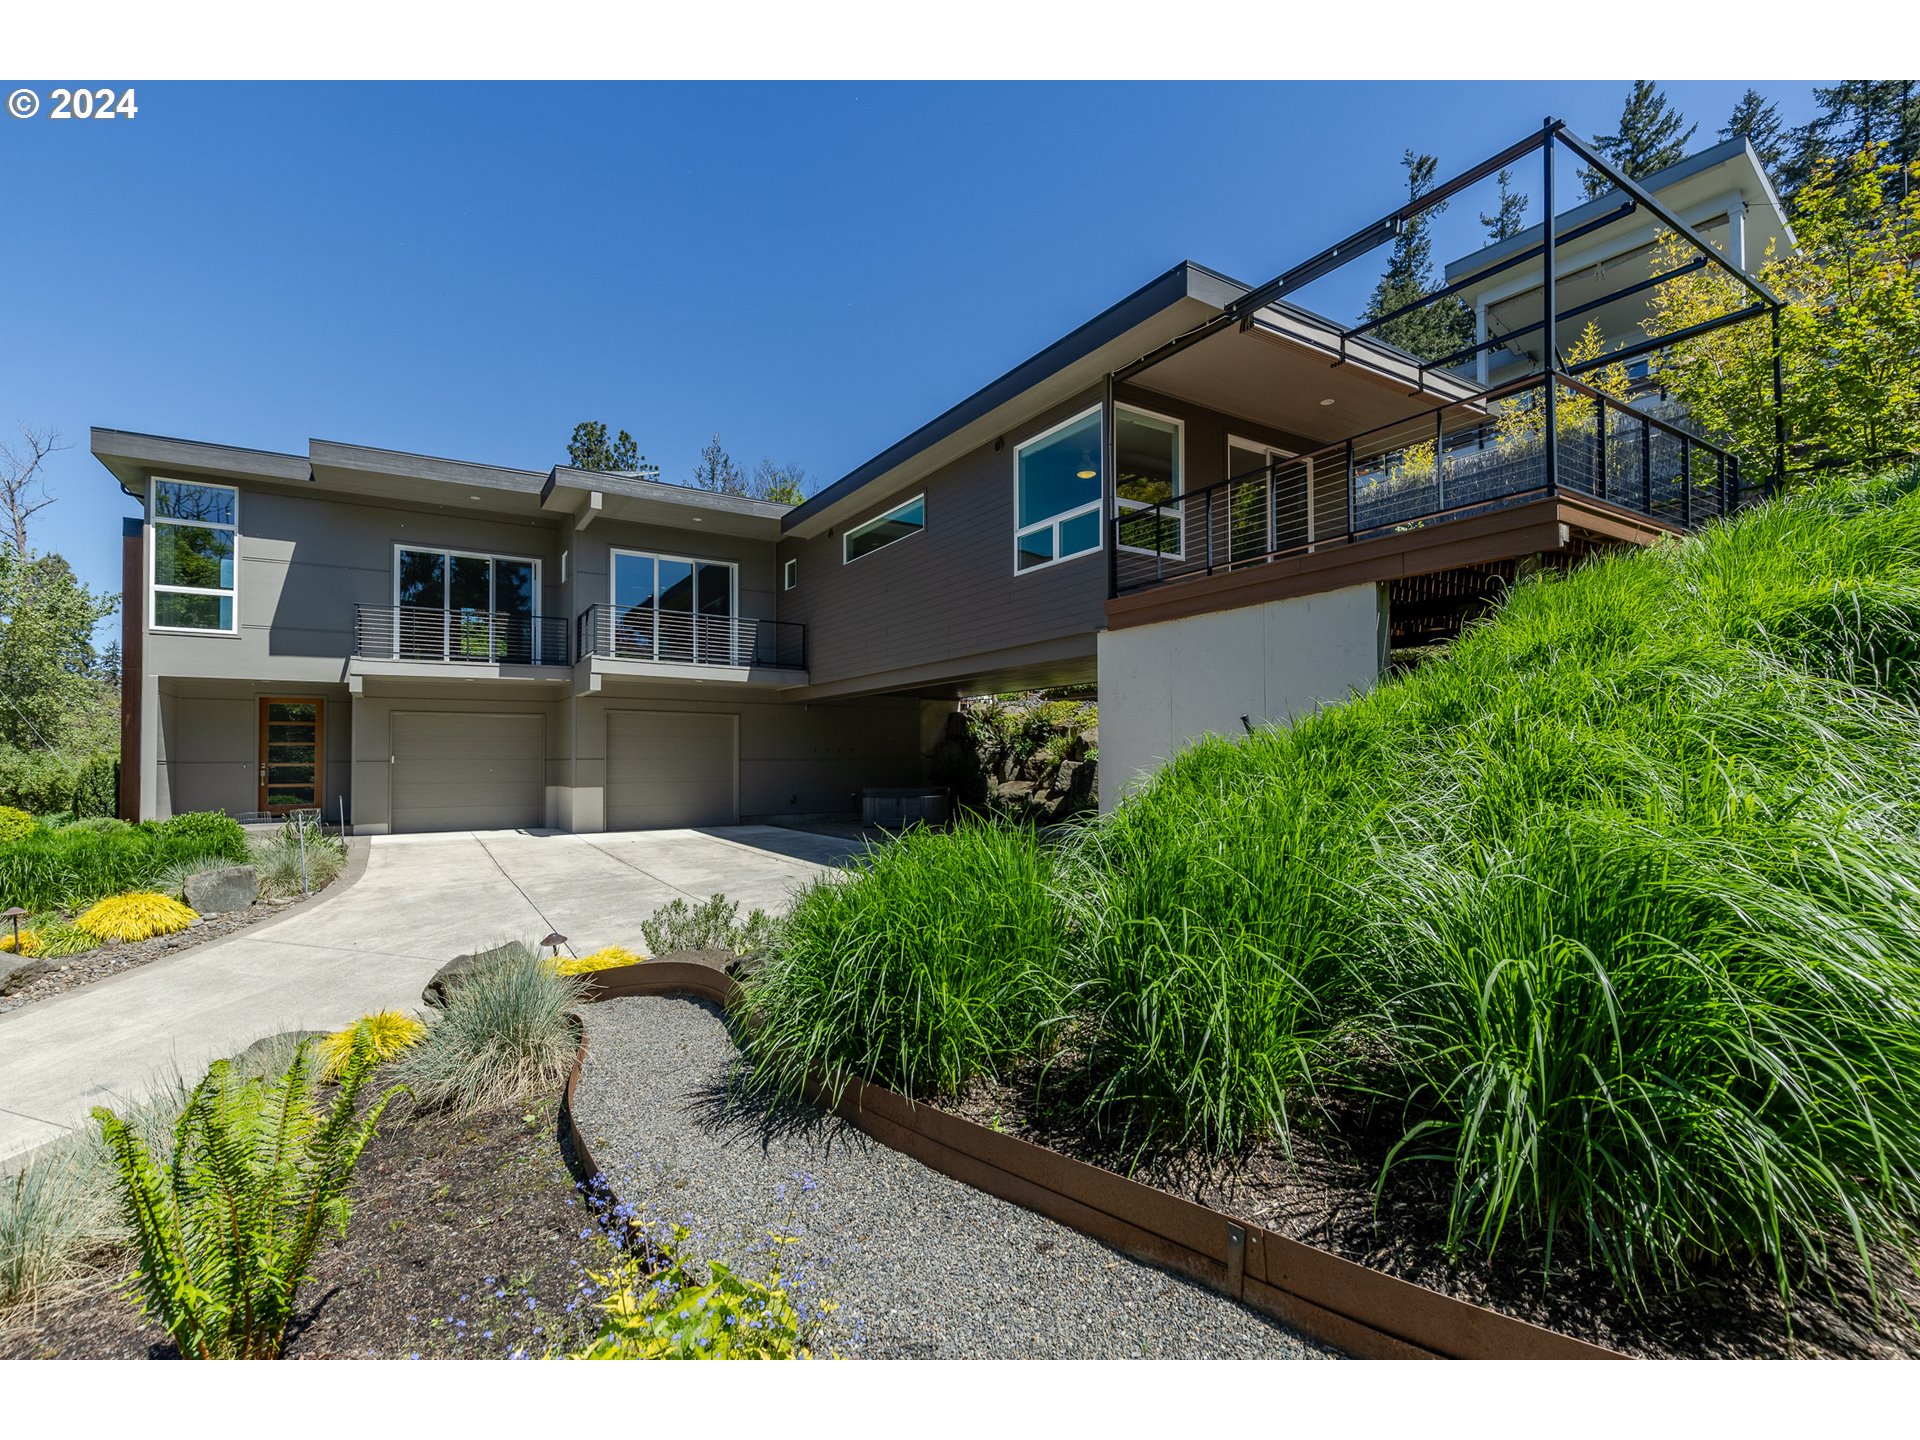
(1600, 449)
(1353, 496)
(1209, 529)
(1686, 483)
(1550, 346)
(1439, 450)
(1646, 463)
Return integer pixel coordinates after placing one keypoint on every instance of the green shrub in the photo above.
(505, 1034)
(95, 824)
(38, 781)
(96, 787)
(209, 832)
(228, 1228)
(76, 865)
(15, 825)
(709, 925)
(936, 960)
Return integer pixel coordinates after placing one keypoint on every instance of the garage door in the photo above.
(669, 770)
(468, 772)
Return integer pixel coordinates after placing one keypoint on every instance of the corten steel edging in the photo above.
(1335, 1300)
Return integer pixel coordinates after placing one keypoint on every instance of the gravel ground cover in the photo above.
(918, 1265)
(114, 958)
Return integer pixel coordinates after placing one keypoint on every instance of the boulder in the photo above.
(215, 892)
(461, 966)
(272, 1052)
(17, 974)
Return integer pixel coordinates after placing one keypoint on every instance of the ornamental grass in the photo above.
(389, 1034)
(138, 915)
(611, 957)
(1611, 911)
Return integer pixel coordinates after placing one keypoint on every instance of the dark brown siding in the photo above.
(133, 630)
(949, 595)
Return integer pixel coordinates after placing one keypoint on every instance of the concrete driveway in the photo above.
(372, 945)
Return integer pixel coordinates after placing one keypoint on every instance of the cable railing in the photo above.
(1457, 460)
(643, 632)
(480, 637)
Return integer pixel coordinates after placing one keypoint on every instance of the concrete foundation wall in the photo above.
(1164, 686)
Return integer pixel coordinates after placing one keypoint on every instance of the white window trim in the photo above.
(614, 552)
(1054, 522)
(1178, 512)
(446, 580)
(155, 520)
(790, 573)
(1274, 454)
(846, 536)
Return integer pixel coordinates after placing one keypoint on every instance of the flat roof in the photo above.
(1681, 170)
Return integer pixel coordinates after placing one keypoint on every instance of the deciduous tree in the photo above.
(1849, 331)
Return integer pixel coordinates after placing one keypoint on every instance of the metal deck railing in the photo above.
(1457, 460)
(479, 637)
(634, 632)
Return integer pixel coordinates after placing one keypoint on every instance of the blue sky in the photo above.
(809, 270)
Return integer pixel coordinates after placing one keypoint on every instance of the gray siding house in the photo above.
(1217, 507)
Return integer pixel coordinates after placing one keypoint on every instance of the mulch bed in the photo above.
(465, 1243)
(1323, 1195)
(115, 958)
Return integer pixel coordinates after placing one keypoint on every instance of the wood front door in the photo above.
(292, 753)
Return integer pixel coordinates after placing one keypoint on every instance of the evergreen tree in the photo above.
(1758, 119)
(1854, 115)
(1650, 138)
(1509, 217)
(590, 449)
(716, 471)
(1434, 330)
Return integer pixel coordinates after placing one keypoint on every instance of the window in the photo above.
(452, 605)
(909, 518)
(1056, 493)
(1147, 463)
(670, 607)
(789, 574)
(1269, 502)
(195, 532)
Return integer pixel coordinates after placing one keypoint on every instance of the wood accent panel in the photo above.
(1544, 525)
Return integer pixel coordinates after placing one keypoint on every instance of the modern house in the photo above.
(1220, 508)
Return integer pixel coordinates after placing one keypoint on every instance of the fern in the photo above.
(258, 1175)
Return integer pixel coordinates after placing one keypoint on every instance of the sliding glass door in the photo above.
(669, 608)
(449, 605)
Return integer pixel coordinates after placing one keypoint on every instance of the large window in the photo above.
(1147, 472)
(670, 607)
(907, 518)
(1056, 493)
(454, 605)
(195, 530)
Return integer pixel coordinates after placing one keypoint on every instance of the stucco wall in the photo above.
(1163, 686)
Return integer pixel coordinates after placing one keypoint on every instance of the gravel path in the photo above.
(921, 1265)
